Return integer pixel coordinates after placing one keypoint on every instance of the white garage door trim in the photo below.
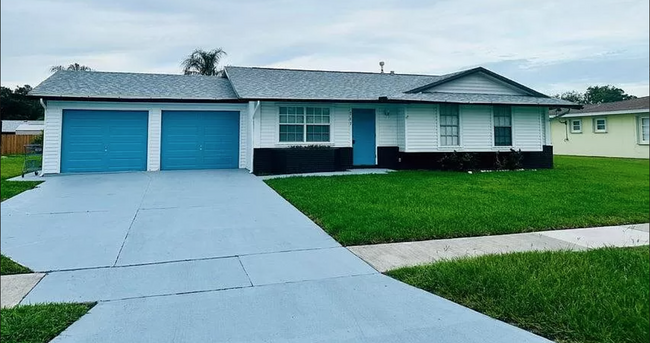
(54, 116)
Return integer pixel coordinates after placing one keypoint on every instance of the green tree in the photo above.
(601, 94)
(201, 62)
(73, 67)
(15, 105)
(573, 96)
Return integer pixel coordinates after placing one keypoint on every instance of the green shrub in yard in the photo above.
(511, 161)
(455, 161)
(600, 295)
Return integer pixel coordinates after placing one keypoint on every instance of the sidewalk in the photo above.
(384, 257)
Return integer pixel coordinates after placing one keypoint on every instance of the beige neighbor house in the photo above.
(616, 129)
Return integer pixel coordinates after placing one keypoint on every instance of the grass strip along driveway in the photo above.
(599, 295)
(8, 267)
(420, 205)
(13, 166)
(30, 323)
(38, 323)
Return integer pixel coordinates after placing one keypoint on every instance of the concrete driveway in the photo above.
(198, 256)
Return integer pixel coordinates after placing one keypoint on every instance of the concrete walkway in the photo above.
(385, 257)
(364, 171)
(15, 287)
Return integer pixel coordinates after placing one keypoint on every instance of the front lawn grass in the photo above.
(593, 296)
(8, 267)
(38, 323)
(13, 166)
(420, 205)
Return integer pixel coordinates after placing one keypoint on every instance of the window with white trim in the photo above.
(576, 126)
(502, 125)
(644, 130)
(600, 125)
(449, 125)
(304, 124)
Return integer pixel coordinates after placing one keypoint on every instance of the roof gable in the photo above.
(477, 81)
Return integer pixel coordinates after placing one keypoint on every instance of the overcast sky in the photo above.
(552, 46)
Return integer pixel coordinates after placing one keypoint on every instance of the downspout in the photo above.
(565, 122)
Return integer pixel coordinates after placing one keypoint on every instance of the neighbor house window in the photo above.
(304, 124)
(600, 125)
(576, 126)
(644, 130)
(449, 125)
(502, 126)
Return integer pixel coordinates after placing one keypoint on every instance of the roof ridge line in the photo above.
(332, 71)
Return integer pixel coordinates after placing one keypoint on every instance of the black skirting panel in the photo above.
(301, 160)
(311, 160)
(485, 160)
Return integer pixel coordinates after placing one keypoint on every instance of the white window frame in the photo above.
(304, 125)
(596, 129)
(572, 127)
(440, 135)
(494, 125)
(640, 130)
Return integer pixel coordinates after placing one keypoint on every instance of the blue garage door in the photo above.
(103, 141)
(200, 140)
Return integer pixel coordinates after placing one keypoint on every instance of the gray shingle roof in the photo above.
(95, 84)
(270, 83)
(642, 103)
(467, 98)
(252, 83)
(12, 125)
(291, 84)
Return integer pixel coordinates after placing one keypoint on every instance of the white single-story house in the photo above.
(273, 121)
(23, 127)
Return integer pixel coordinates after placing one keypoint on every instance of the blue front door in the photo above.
(200, 140)
(363, 137)
(103, 141)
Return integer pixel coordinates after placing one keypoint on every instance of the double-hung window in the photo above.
(449, 125)
(502, 126)
(576, 126)
(304, 124)
(600, 125)
(644, 130)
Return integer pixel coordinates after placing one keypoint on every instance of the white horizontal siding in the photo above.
(401, 128)
(477, 83)
(153, 145)
(527, 128)
(341, 129)
(476, 128)
(422, 128)
(243, 137)
(387, 126)
(52, 141)
(340, 125)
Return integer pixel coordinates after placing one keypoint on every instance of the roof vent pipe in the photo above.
(392, 72)
(381, 64)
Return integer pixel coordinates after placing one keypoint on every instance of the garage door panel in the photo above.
(200, 140)
(95, 141)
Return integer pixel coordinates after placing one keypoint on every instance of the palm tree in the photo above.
(201, 62)
(73, 67)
